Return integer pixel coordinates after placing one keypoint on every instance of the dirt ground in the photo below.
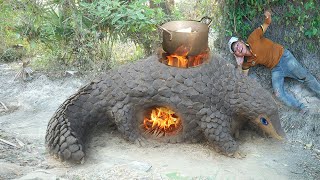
(26, 108)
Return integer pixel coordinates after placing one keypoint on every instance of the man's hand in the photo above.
(239, 63)
(267, 14)
(239, 60)
(267, 21)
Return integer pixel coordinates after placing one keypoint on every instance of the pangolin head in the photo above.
(263, 112)
(270, 124)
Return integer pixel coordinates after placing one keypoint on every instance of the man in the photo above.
(281, 62)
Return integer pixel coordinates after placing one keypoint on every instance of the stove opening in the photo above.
(183, 60)
(160, 122)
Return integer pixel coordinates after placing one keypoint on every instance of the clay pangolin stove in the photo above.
(200, 101)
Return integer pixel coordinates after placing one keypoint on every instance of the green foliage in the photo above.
(240, 14)
(121, 16)
(134, 20)
(12, 54)
(77, 33)
(8, 36)
(303, 16)
(306, 16)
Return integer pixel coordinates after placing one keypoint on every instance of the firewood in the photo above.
(7, 142)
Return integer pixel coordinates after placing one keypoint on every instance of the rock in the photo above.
(71, 73)
(142, 166)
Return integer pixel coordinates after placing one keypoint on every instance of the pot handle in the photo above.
(203, 20)
(164, 29)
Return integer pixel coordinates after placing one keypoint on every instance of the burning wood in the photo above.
(184, 61)
(162, 121)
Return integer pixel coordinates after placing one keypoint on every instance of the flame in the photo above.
(177, 61)
(181, 59)
(162, 121)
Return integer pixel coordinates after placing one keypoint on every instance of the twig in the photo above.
(20, 142)
(5, 107)
(234, 18)
(9, 143)
(19, 74)
(248, 20)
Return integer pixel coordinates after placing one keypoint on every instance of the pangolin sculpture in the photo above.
(213, 100)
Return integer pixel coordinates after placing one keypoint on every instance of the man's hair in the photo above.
(232, 46)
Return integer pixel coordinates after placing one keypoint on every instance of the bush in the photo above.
(81, 33)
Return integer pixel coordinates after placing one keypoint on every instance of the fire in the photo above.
(177, 61)
(181, 59)
(162, 121)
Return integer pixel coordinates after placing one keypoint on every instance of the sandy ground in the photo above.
(30, 105)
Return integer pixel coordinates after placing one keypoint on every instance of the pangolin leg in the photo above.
(217, 131)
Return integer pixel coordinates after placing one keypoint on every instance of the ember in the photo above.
(162, 122)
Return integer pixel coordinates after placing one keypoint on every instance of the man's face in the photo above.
(239, 48)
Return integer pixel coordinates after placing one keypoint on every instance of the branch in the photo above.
(234, 17)
(5, 107)
(9, 143)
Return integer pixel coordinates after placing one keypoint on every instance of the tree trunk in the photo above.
(166, 6)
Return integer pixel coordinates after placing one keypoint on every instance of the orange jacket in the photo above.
(265, 52)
